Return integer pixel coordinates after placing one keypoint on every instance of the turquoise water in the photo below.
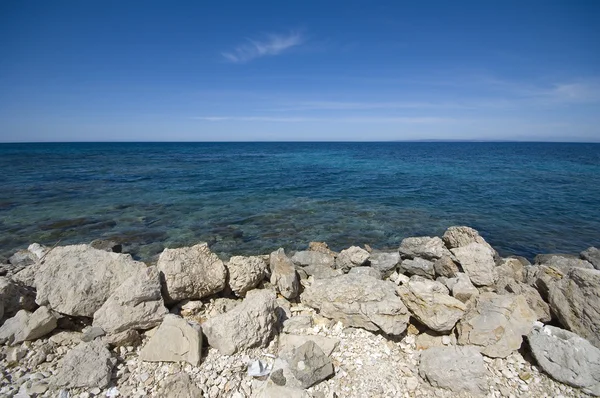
(524, 198)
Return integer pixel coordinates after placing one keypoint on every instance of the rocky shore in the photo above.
(439, 317)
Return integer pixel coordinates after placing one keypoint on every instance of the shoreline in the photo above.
(439, 316)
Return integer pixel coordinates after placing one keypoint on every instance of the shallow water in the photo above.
(250, 198)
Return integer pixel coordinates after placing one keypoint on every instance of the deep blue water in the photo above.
(250, 198)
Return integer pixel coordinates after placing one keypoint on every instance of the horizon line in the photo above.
(306, 141)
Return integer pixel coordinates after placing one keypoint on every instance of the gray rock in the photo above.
(27, 326)
(372, 272)
(591, 255)
(496, 324)
(563, 262)
(456, 237)
(136, 304)
(321, 272)
(23, 258)
(321, 247)
(15, 297)
(179, 385)
(575, 300)
(445, 267)
(430, 303)
(510, 269)
(296, 323)
(76, 280)
(384, 262)
(314, 258)
(272, 390)
(359, 301)
(533, 297)
(283, 275)
(463, 290)
(424, 246)
(566, 357)
(126, 338)
(88, 365)
(542, 277)
(290, 342)
(351, 257)
(250, 324)
(418, 266)
(175, 340)
(92, 334)
(245, 273)
(477, 260)
(191, 272)
(458, 369)
(310, 365)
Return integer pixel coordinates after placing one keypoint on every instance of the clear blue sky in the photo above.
(305, 70)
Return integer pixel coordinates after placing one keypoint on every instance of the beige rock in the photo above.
(283, 275)
(351, 257)
(245, 273)
(175, 340)
(27, 326)
(477, 260)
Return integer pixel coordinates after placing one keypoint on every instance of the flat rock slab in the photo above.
(567, 357)
(458, 369)
(289, 342)
(88, 365)
(497, 324)
(310, 365)
(175, 340)
(359, 301)
(27, 326)
(424, 247)
(310, 257)
(179, 385)
(250, 324)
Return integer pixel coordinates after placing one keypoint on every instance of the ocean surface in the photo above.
(251, 198)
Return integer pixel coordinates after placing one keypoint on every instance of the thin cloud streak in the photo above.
(374, 119)
(273, 44)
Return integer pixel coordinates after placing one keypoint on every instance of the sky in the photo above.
(299, 70)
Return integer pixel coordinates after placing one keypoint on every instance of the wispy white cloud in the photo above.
(272, 44)
(350, 119)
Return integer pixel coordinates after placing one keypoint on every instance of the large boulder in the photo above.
(384, 262)
(175, 340)
(27, 326)
(542, 277)
(456, 237)
(423, 246)
(430, 303)
(563, 262)
(191, 272)
(496, 324)
(592, 255)
(566, 357)
(89, 365)
(351, 257)
(458, 369)
(477, 260)
(283, 274)
(445, 267)
(315, 258)
(359, 301)
(418, 266)
(76, 280)
(136, 304)
(250, 324)
(462, 288)
(533, 297)
(245, 273)
(575, 300)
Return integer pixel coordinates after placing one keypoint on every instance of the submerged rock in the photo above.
(191, 272)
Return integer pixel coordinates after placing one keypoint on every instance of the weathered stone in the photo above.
(77, 280)
(418, 266)
(496, 324)
(372, 272)
(107, 245)
(463, 290)
(290, 342)
(272, 390)
(179, 385)
(321, 247)
(351, 257)
(424, 246)
(592, 255)
(250, 324)
(566, 357)
(445, 267)
(510, 269)
(175, 340)
(576, 302)
(458, 369)
(126, 338)
(309, 257)
(477, 260)
(456, 237)
(245, 273)
(321, 272)
(298, 322)
(92, 333)
(283, 275)
(542, 277)
(27, 326)
(563, 262)
(191, 272)
(533, 297)
(136, 304)
(87, 365)
(23, 258)
(15, 297)
(430, 339)
(359, 301)
(384, 262)
(430, 303)
(310, 365)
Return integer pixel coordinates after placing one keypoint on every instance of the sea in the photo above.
(252, 198)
